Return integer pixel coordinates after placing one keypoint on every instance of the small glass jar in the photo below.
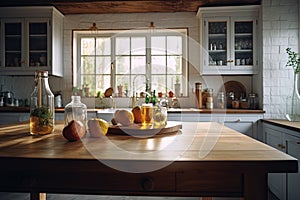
(221, 100)
(253, 101)
(41, 106)
(75, 110)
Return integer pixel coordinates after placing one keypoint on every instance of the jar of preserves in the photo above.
(41, 106)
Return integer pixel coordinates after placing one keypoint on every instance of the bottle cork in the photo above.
(198, 92)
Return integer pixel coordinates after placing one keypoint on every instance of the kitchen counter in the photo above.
(170, 110)
(203, 159)
(295, 126)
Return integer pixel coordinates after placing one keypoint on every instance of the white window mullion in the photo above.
(148, 59)
(113, 63)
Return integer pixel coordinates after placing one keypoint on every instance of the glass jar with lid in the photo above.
(75, 110)
(253, 101)
(41, 106)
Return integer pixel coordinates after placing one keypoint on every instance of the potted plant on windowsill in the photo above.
(293, 103)
(86, 90)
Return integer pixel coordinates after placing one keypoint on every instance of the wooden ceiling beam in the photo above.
(126, 6)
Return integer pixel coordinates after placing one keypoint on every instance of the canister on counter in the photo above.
(253, 101)
(236, 104)
(229, 99)
(221, 100)
(198, 92)
(207, 96)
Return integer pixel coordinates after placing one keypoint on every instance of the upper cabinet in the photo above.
(229, 40)
(31, 39)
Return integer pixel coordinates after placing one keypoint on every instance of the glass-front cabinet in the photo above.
(31, 40)
(38, 43)
(229, 40)
(13, 32)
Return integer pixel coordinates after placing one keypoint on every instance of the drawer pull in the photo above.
(298, 142)
(238, 120)
(147, 184)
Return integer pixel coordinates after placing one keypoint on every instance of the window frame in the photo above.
(113, 34)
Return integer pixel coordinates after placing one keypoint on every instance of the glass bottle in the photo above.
(75, 110)
(41, 106)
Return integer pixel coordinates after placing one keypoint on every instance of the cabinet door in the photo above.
(216, 44)
(293, 179)
(38, 42)
(243, 44)
(229, 39)
(276, 181)
(12, 43)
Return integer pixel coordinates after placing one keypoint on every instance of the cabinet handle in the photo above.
(229, 60)
(298, 143)
(238, 120)
(281, 146)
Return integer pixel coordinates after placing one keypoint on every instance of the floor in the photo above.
(24, 196)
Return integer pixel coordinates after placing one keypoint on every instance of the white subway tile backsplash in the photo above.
(277, 78)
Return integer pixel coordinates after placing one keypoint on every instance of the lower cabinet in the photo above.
(285, 185)
(9, 117)
(243, 123)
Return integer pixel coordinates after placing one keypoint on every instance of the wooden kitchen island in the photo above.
(204, 159)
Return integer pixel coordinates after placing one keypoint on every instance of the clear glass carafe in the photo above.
(76, 110)
(41, 106)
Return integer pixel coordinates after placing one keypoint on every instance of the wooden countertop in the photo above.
(203, 159)
(295, 126)
(170, 110)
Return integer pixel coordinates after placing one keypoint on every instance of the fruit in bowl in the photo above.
(137, 114)
(123, 117)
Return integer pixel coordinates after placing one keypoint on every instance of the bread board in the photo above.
(139, 130)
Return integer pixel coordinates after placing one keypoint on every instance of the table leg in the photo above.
(37, 196)
(256, 186)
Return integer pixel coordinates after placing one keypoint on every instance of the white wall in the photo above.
(142, 20)
(280, 30)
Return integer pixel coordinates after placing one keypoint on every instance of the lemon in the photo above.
(104, 125)
(98, 127)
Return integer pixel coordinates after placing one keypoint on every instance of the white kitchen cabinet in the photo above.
(229, 39)
(243, 123)
(31, 39)
(285, 185)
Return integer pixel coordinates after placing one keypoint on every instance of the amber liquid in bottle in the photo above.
(38, 128)
(41, 106)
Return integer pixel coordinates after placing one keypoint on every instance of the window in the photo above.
(131, 59)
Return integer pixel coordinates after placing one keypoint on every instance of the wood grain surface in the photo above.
(202, 159)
